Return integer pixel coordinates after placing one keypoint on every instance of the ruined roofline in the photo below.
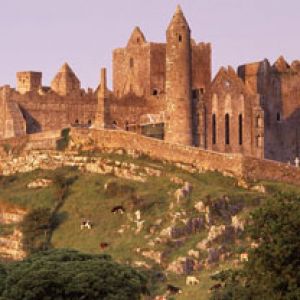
(230, 74)
(280, 65)
(29, 72)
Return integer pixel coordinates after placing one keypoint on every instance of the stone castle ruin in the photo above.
(166, 91)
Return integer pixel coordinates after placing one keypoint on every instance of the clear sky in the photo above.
(42, 34)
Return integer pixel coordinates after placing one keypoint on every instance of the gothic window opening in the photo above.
(214, 129)
(180, 38)
(89, 122)
(240, 129)
(227, 129)
(76, 121)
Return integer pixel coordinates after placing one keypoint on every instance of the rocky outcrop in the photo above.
(11, 247)
(39, 183)
(50, 160)
(11, 215)
(182, 266)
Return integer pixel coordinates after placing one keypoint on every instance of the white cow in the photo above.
(191, 280)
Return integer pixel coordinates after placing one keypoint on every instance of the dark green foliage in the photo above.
(68, 274)
(63, 143)
(36, 228)
(5, 181)
(3, 275)
(273, 269)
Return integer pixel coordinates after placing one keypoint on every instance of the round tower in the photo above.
(178, 124)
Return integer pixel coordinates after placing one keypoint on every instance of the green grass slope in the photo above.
(87, 198)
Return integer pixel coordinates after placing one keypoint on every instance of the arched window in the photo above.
(89, 122)
(240, 129)
(227, 129)
(214, 129)
(180, 38)
(76, 121)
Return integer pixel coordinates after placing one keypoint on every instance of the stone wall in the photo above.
(262, 169)
(115, 139)
(278, 85)
(232, 111)
(228, 164)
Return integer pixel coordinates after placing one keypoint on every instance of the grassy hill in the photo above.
(88, 198)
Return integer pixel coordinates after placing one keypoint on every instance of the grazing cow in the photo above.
(173, 289)
(191, 280)
(180, 194)
(184, 192)
(86, 224)
(244, 257)
(138, 215)
(188, 188)
(119, 209)
(103, 246)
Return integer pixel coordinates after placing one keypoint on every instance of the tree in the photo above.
(68, 274)
(36, 227)
(273, 268)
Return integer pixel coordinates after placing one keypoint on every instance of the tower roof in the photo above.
(65, 68)
(65, 80)
(178, 17)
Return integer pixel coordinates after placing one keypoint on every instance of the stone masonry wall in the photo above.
(229, 164)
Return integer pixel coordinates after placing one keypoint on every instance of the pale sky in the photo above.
(40, 35)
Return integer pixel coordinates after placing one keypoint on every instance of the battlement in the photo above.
(28, 81)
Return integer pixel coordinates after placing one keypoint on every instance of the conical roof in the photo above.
(178, 18)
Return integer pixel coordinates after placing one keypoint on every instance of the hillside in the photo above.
(204, 227)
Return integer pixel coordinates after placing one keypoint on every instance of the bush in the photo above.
(71, 275)
(63, 143)
(273, 269)
(36, 227)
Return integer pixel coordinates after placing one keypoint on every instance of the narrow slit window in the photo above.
(180, 38)
(131, 63)
(278, 117)
(214, 129)
(227, 129)
(240, 129)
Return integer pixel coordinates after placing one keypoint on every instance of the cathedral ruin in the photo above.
(166, 91)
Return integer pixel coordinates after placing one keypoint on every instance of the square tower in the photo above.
(28, 81)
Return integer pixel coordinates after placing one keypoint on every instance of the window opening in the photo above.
(227, 129)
